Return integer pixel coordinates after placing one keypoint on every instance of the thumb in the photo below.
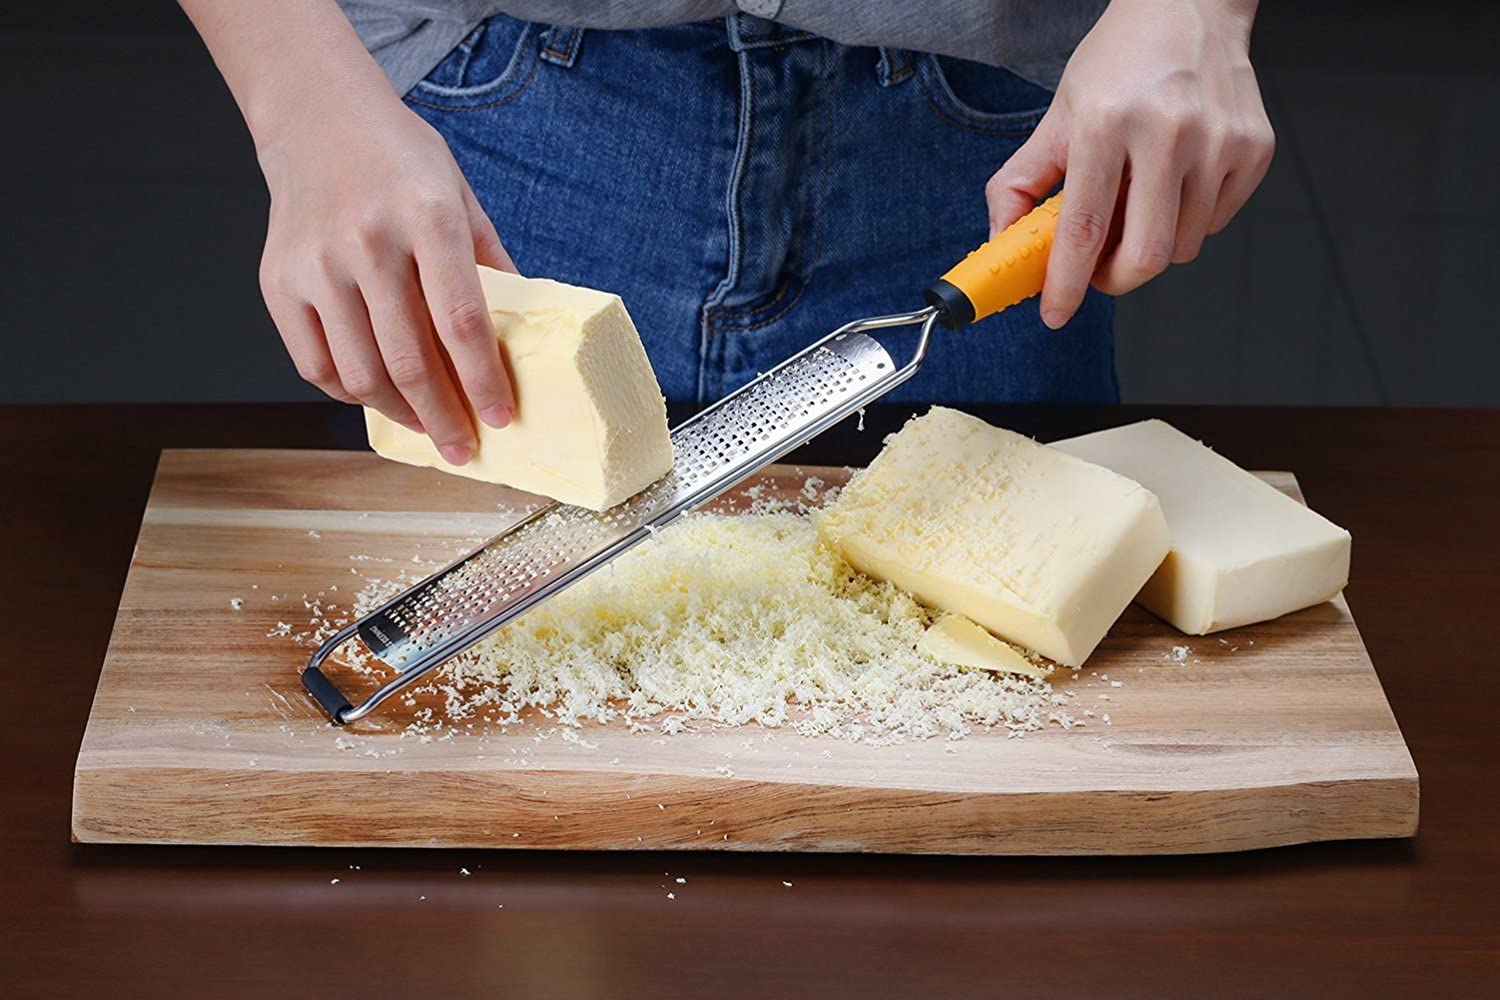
(488, 250)
(1026, 178)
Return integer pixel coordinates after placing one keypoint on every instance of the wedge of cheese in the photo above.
(1242, 551)
(956, 640)
(591, 424)
(1042, 549)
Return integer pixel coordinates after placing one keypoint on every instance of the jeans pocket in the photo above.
(493, 65)
(980, 98)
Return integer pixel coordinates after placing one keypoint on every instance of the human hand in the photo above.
(1159, 128)
(369, 268)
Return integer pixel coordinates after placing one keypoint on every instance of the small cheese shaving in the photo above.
(726, 620)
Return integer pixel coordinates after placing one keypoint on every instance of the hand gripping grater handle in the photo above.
(560, 544)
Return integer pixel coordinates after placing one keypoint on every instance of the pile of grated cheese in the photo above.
(726, 620)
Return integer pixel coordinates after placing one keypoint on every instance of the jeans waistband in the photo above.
(746, 31)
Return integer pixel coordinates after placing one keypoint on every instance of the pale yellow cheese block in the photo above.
(1042, 549)
(1242, 551)
(956, 640)
(591, 424)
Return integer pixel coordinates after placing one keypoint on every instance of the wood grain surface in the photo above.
(200, 733)
(1414, 917)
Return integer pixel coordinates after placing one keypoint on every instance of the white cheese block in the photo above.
(591, 424)
(955, 640)
(1042, 549)
(1242, 551)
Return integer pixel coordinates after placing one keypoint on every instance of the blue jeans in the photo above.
(746, 188)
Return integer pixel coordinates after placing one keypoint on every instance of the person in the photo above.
(746, 177)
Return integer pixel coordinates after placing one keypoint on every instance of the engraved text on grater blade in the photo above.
(776, 408)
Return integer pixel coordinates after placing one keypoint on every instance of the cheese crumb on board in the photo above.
(591, 424)
(1043, 549)
(1242, 551)
(729, 620)
(956, 640)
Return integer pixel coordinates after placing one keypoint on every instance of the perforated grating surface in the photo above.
(559, 543)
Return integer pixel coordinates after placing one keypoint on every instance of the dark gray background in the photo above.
(1359, 274)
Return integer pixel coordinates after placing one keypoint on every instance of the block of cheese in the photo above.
(956, 640)
(1242, 551)
(591, 424)
(1042, 549)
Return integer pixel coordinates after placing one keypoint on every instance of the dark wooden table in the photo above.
(1420, 490)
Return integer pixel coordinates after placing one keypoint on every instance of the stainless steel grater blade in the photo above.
(559, 544)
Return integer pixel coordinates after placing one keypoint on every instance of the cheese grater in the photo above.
(559, 544)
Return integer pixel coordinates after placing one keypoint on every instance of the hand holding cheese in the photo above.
(374, 233)
(591, 424)
(1043, 549)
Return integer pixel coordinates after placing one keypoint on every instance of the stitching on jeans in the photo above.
(727, 327)
(744, 120)
(896, 66)
(723, 316)
(822, 171)
(520, 89)
(779, 42)
(1018, 130)
(466, 49)
(564, 57)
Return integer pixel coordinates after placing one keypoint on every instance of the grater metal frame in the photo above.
(555, 546)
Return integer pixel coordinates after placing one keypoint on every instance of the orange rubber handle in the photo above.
(1009, 268)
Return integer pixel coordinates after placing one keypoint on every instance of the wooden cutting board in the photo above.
(201, 733)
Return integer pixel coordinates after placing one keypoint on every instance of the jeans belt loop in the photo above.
(562, 45)
(896, 66)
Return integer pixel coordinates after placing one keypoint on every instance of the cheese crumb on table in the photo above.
(591, 424)
(1043, 549)
(1242, 551)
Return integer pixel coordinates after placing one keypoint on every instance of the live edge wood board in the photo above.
(200, 731)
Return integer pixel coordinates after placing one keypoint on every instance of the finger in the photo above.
(351, 342)
(1088, 203)
(302, 333)
(450, 286)
(1148, 232)
(1237, 188)
(1194, 216)
(415, 363)
(1248, 159)
(1025, 179)
(488, 250)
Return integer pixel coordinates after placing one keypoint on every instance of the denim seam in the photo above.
(726, 324)
(970, 126)
(782, 42)
(520, 89)
(732, 214)
(896, 66)
(720, 318)
(568, 54)
(747, 327)
(741, 41)
(466, 53)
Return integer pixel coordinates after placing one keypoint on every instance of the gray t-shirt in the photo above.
(1031, 38)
